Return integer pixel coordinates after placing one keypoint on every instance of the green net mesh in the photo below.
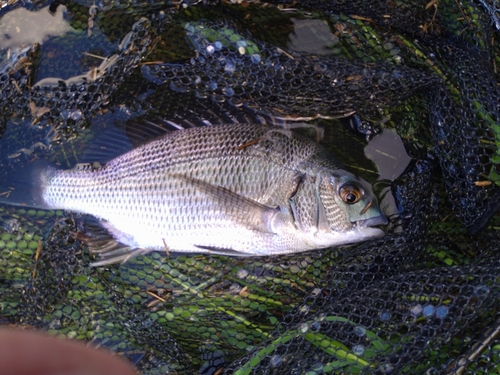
(422, 300)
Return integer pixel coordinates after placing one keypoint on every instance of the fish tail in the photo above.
(25, 186)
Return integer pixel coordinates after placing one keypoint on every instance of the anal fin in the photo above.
(103, 238)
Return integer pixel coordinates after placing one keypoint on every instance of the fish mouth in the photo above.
(373, 222)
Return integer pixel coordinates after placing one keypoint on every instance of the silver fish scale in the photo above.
(213, 142)
(174, 153)
(170, 190)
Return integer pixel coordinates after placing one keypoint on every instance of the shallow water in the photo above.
(174, 312)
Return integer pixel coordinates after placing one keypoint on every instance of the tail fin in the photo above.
(25, 187)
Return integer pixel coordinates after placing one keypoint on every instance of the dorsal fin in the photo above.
(142, 130)
(107, 144)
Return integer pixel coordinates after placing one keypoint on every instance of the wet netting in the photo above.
(424, 299)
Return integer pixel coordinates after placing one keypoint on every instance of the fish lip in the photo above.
(373, 222)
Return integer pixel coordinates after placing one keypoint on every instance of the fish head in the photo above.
(342, 209)
(356, 197)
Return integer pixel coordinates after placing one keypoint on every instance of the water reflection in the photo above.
(388, 153)
(21, 26)
(311, 36)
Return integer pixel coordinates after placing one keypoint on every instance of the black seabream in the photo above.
(245, 190)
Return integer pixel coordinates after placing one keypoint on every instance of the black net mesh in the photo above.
(229, 67)
(471, 111)
(424, 299)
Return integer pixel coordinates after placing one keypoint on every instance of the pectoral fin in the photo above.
(235, 207)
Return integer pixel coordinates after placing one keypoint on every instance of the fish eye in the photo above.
(350, 194)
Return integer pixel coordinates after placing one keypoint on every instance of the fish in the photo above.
(244, 190)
